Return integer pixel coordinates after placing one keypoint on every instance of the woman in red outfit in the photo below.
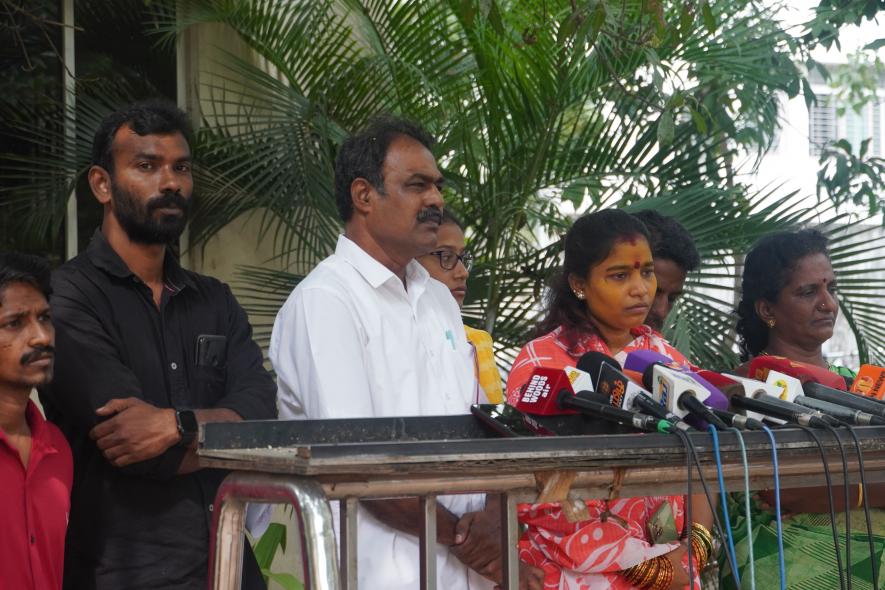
(598, 303)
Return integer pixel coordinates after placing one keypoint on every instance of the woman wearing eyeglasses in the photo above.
(450, 264)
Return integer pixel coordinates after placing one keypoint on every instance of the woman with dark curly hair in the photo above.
(788, 308)
(788, 301)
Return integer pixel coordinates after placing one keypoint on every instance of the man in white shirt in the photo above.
(367, 334)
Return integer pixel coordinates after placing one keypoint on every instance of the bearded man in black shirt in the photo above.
(145, 352)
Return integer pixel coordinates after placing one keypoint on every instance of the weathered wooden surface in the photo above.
(388, 457)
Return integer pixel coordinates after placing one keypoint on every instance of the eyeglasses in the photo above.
(448, 259)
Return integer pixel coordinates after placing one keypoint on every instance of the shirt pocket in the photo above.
(210, 372)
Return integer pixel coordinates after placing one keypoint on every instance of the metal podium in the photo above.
(308, 463)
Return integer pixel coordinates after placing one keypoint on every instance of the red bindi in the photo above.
(636, 265)
(632, 240)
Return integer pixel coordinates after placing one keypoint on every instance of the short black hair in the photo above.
(362, 156)
(24, 268)
(670, 240)
(156, 116)
(767, 270)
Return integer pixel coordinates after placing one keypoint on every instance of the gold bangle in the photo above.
(859, 495)
(700, 554)
(701, 543)
(642, 574)
(664, 577)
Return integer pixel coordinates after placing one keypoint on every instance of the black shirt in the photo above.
(144, 526)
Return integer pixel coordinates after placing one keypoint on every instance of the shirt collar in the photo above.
(106, 258)
(375, 273)
(579, 342)
(41, 441)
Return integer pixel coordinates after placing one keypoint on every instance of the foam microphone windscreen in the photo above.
(591, 362)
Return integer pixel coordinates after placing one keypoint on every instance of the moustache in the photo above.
(430, 214)
(37, 354)
(168, 200)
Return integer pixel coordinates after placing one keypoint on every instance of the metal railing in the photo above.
(306, 464)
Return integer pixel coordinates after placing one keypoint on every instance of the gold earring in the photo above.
(770, 323)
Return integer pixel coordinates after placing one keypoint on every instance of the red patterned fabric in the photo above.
(563, 347)
(589, 555)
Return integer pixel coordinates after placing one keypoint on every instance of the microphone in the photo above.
(738, 421)
(621, 391)
(640, 360)
(580, 379)
(849, 400)
(679, 393)
(869, 382)
(840, 412)
(548, 393)
(766, 405)
(804, 372)
(744, 387)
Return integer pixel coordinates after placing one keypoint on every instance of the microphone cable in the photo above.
(722, 492)
(686, 525)
(847, 486)
(686, 438)
(777, 508)
(740, 438)
(866, 506)
(832, 504)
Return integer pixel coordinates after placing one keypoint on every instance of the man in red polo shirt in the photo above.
(35, 461)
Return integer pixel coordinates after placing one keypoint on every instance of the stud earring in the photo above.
(579, 295)
(770, 323)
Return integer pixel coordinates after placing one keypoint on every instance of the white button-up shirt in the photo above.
(352, 342)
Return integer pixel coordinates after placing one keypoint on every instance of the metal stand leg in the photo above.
(349, 507)
(314, 520)
(427, 543)
(510, 536)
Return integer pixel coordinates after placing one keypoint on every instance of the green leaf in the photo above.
(709, 18)
(265, 550)
(685, 20)
(808, 94)
(286, 581)
(875, 45)
(666, 128)
(699, 122)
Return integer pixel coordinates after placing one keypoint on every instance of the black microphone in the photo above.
(849, 415)
(738, 421)
(797, 408)
(850, 400)
(591, 362)
(549, 393)
(609, 412)
(679, 393)
(622, 392)
(767, 407)
(640, 403)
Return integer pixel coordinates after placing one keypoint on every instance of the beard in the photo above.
(139, 222)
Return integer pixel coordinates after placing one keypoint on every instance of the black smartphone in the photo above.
(507, 421)
(211, 350)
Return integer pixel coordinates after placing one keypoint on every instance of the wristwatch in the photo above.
(187, 426)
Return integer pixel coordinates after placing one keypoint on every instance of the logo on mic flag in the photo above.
(537, 388)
